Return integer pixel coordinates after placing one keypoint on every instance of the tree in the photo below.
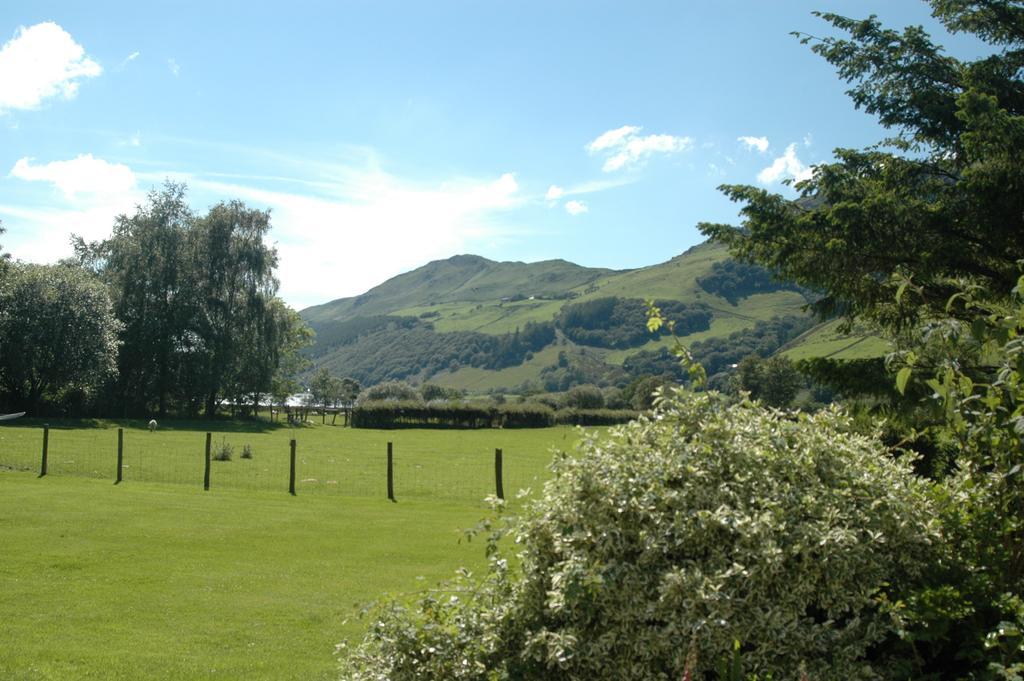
(921, 236)
(232, 311)
(142, 262)
(774, 381)
(197, 296)
(392, 390)
(58, 333)
(943, 198)
(584, 397)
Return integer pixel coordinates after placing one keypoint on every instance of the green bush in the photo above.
(708, 521)
(594, 417)
(526, 415)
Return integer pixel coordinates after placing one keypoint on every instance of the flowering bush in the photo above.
(708, 523)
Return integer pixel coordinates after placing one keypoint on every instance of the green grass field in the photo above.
(158, 580)
(438, 464)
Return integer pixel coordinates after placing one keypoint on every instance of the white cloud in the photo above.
(808, 139)
(339, 230)
(81, 175)
(41, 62)
(625, 147)
(135, 140)
(91, 193)
(554, 193)
(785, 166)
(576, 207)
(130, 58)
(174, 67)
(759, 143)
(376, 226)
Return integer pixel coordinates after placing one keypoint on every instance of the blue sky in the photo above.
(383, 135)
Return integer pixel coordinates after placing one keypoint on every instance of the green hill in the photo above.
(473, 323)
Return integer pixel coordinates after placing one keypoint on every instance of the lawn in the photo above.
(163, 580)
(451, 464)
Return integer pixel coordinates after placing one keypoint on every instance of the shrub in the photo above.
(526, 415)
(594, 417)
(708, 520)
(246, 452)
(224, 451)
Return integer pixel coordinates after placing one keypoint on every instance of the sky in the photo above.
(382, 135)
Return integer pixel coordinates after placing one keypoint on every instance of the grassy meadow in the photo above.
(155, 578)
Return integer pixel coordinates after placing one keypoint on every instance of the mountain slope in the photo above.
(474, 323)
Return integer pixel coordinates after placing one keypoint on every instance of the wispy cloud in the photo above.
(173, 66)
(759, 143)
(576, 207)
(625, 147)
(554, 193)
(787, 166)
(130, 58)
(334, 238)
(41, 62)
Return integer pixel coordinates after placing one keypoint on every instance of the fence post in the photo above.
(498, 482)
(291, 471)
(391, 474)
(206, 472)
(120, 453)
(46, 449)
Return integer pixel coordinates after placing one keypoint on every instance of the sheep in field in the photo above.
(152, 425)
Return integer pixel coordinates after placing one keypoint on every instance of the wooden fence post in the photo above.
(291, 471)
(498, 482)
(391, 474)
(206, 472)
(46, 449)
(120, 454)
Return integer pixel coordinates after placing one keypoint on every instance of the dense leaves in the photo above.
(719, 354)
(734, 280)
(708, 522)
(58, 335)
(196, 299)
(621, 322)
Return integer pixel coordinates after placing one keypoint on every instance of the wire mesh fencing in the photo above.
(450, 468)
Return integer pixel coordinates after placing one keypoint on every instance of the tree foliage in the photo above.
(58, 334)
(197, 300)
(921, 235)
(734, 280)
(620, 322)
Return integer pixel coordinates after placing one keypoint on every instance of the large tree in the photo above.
(58, 334)
(942, 198)
(922, 234)
(197, 295)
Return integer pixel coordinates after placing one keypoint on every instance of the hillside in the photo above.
(472, 323)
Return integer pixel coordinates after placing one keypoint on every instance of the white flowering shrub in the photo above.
(705, 524)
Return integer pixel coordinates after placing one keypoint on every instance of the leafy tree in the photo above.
(942, 200)
(57, 333)
(736, 280)
(197, 298)
(324, 388)
(921, 236)
(232, 313)
(774, 381)
(432, 391)
(142, 262)
(584, 397)
(392, 390)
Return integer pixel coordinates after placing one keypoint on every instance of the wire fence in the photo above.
(279, 461)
